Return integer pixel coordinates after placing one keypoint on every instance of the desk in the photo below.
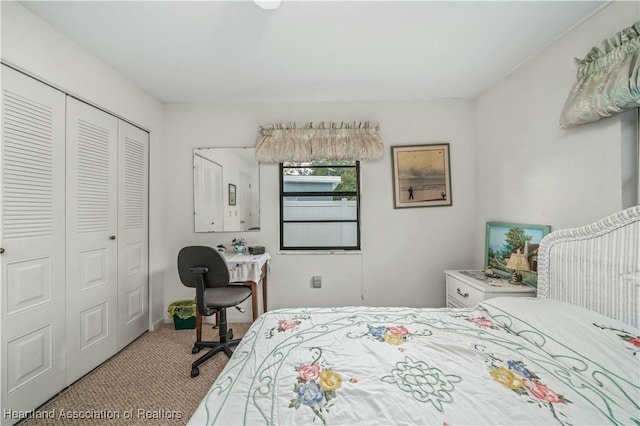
(248, 270)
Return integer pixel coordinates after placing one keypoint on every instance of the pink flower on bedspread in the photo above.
(391, 334)
(631, 339)
(309, 372)
(514, 375)
(635, 341)
(542, 392)
(316, 386)
(483, 322)
(287, 325)
(399, 330)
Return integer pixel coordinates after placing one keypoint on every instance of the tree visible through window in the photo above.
(320, 205)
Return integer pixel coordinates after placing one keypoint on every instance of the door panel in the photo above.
(32, 267)
(91, 231)
(30, 283)
(207, 180)
(31, 356)
(133, 235)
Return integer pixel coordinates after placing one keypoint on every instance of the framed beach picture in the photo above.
(232, 194)
(502, 239)
(421, 175)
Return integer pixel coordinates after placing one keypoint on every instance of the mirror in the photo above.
(226, 184)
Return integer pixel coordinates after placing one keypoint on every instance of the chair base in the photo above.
(224, 345)
(202, 344)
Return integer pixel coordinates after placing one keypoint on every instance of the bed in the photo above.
(569, 356)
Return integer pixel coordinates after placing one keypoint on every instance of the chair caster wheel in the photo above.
(195, 371)
(195, 349)
(230, 334)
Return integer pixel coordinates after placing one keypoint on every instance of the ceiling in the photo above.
(234, 51)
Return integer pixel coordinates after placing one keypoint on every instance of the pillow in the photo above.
(603, 350)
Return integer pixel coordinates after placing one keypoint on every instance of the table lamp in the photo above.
(517, 262)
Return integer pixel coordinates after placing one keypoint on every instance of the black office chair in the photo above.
(206, 269)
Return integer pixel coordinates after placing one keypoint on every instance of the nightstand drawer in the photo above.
(466, 289)
(453, 303)
(463, 293)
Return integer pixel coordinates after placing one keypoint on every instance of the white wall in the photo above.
(509, 162)
(404, 251)
(33, 46)
(528, 170)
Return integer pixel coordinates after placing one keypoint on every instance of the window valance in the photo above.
(608, 80)
(319, 141)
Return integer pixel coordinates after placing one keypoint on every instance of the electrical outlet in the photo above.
(316, 281)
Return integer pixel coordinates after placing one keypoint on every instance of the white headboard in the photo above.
(595, 266)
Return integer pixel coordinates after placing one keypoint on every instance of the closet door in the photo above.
(208, 196)
(133, 235)
(91, 238)
(32, 237)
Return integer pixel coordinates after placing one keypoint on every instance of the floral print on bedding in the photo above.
(630, 338)
(515, 376)
(492, 364)
(391, 334)
(316, 386)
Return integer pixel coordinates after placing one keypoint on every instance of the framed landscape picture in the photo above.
(421, 175)
(502, 239)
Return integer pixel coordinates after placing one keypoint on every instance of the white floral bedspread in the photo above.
(507, 361)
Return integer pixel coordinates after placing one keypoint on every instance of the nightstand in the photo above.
(468, 288)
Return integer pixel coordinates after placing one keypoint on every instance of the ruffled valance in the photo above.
(283, 142)
(608, 80)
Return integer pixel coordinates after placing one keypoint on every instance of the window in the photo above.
(320, 205)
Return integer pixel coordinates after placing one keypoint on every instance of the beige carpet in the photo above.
(148, 382)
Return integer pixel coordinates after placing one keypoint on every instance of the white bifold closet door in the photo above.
(32, 238)
(73, 240)
(133, 234)
(92, 249)
(107, 236)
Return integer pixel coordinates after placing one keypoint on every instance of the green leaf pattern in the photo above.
(423, 382)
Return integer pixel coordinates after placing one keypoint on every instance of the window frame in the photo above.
(357, 194)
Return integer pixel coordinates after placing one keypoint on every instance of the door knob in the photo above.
(1, 250)
(113, 237)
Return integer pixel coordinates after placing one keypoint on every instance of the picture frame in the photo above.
(232, 194)
(421, 175)
(504, 238)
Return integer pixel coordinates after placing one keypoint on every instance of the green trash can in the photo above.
(183, 313)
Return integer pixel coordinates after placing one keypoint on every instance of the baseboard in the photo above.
(156, 324)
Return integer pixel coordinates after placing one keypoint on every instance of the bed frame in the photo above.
(595, 266)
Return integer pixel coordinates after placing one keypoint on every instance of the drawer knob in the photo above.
(461, 293)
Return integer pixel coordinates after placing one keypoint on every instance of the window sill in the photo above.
(321, 252)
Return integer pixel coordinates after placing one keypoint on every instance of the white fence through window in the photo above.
(320, 234)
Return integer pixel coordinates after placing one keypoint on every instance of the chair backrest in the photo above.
(203, 256)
